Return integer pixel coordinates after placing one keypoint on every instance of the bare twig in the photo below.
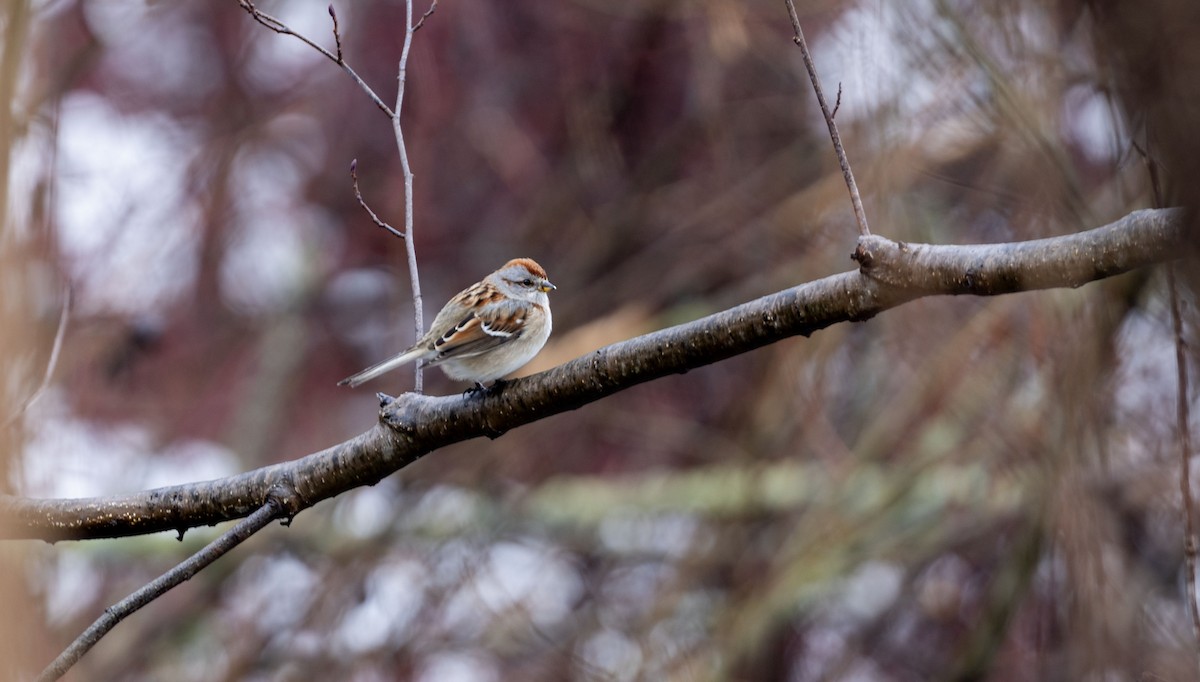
(281, 28)
(55, 349)
(859, 214)
(363, 202)
(1185, 454)
(160, 586)
(410, 247)
(837, 103)
(426, 15)
(409, 29)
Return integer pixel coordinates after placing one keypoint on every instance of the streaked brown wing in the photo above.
(476, 334)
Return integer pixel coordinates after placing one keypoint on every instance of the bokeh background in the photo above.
(958, 489)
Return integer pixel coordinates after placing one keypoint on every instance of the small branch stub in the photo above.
(862, 255)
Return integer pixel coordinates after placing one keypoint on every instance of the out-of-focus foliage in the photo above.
(980, 489)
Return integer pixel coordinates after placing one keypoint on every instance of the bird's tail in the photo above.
(383, 367)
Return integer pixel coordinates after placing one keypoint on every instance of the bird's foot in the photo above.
(484, 391)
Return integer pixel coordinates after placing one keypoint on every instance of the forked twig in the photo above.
(279, 27)
(394, 114)
(859, 214)
(159, 586)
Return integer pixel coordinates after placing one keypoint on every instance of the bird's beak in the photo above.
(546, 285)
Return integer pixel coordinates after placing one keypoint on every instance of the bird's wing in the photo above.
(481, 331)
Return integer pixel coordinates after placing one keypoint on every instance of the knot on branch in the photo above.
(888, 262)
(862, 255)
(284, 499)
(490, 431)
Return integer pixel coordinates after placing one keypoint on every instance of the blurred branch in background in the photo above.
(1185, 456)
(51, 363)
(24, 332)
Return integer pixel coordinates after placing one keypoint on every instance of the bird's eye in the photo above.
(527, 282)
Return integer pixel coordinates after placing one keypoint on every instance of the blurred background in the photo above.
(959, 489)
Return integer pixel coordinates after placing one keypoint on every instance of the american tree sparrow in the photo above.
(488, 330)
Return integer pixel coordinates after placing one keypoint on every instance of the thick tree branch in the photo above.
(413, 425)
(991, 269)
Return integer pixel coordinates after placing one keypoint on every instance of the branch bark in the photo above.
(413, 425)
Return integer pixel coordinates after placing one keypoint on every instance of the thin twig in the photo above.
(409, 29)
(279, 27)
(1182, 417)
(859, 214)
(837, 103)
(158, 587)
(55, 349)
(426, 15)
(410, 247)
(363, 202)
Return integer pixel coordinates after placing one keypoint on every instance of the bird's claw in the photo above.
(479, 389)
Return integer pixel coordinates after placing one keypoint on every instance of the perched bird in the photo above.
(488, 330)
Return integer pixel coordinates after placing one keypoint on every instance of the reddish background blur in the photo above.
(960, 488)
